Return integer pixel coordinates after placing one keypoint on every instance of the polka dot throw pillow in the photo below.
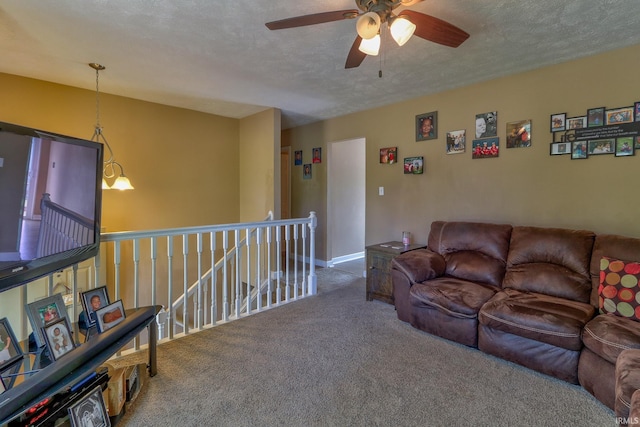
(619, 290)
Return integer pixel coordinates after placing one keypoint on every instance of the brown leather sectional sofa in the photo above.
(528, 295)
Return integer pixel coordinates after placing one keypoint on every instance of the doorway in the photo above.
(346, 184)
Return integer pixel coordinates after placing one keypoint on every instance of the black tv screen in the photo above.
(50, 202)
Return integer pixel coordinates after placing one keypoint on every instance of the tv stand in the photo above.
(74, 367)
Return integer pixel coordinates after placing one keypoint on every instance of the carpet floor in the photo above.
(337, 360)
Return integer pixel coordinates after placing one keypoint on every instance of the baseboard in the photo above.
(345, 258)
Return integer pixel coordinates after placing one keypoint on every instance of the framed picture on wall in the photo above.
(456, 141)
(579, 150)
(306, 171)
(317, 155)
(485, 148)
(559, 148)
(487, 124)
(427, 126)
(413, 165)
(577, 122)
(618, 116)
(601, 146)
(625, 146)
(558, 122)
(389, 155)
(519, 134)
(297, 158)
(595, 117)
(636, 109)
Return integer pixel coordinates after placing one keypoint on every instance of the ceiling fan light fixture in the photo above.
(368, 25)
(402, 29)
(370, 46)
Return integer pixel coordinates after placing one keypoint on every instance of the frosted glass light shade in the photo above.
(401, 30)
(122, 183)
(105, 185)
(370, 46)
(368, 25)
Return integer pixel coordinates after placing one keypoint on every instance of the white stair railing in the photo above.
(227, 271)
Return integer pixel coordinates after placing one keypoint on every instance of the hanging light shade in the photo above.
(402, 29)
(368, 25)
(109, 167)
(122, 183)
(370, 46)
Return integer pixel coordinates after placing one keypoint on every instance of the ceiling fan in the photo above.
(373, 14)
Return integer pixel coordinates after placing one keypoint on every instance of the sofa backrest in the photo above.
(550, 261)
(473, 251)
(612, 246)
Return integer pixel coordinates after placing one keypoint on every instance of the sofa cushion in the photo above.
(455, 297)
(607, 335)
(539, 317)
(627, 380)
(612, 246)
(550, 261)
(619, 291)
(473, 251)
(419, 265)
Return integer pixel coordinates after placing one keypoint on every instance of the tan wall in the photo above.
(523, 186)
(175, 158)
(260, 165)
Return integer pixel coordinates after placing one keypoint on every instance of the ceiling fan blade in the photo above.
(355, 57)
(316, 18)
(435, 30)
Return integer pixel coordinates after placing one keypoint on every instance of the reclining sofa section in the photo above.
(529, 295)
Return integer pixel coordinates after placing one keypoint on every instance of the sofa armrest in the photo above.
(627, 381)
(419, 265)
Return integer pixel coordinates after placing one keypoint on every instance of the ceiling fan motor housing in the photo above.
(382, 7)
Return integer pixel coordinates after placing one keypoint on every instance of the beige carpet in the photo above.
(337, 360)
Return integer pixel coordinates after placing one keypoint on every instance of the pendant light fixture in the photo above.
(110, 165)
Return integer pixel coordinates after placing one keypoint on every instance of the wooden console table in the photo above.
(379, 256)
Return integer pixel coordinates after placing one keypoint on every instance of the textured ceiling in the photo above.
(217, 56)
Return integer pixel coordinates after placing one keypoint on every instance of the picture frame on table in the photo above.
(427, 126)
(618, 116)
(559, 148)
(10, 350)
(579, 150)
(577, 122)
(92, 300)
(625, 147)
(90, 410)
(58, 336)
(3, 387)
(44, 311)
(558, 122)
(109, 316)
(595, 117)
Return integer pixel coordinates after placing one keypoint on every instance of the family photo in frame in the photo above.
(10, 350)
(58, 336)
(109, 316)
(93, 300)
(427, 126)
(44, 311)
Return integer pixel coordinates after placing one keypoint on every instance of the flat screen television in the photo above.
(50, 202)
